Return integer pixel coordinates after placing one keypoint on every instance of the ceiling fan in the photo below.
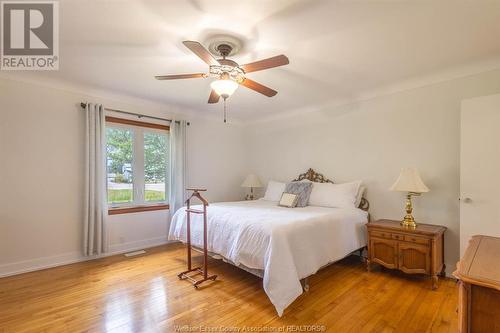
(228, 73)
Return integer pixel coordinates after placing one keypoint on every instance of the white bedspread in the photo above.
(288, 244)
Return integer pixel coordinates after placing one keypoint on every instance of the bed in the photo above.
(282, 245)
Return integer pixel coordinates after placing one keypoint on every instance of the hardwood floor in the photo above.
(143, 294)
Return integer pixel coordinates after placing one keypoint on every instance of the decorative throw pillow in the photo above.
(288, 200)
(303, 191)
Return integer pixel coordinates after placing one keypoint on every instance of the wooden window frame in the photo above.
(141, 207)
(131, 122)
(136, 209)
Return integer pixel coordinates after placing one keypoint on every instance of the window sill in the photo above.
(136, 209)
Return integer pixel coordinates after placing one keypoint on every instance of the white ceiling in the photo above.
(338, 50)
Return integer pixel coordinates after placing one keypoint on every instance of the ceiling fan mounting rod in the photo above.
(224, 50)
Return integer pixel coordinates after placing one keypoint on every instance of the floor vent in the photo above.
(135, 253)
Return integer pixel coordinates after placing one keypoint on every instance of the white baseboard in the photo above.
(137, 245)
(36, 264)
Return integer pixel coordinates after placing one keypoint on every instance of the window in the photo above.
(137, 157)
(119, 163)
(155, 160)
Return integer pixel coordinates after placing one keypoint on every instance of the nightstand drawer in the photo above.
(380, 234)
(397, 237)
(417, 240)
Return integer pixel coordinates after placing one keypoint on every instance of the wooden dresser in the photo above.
(479, 286)
(414, 251)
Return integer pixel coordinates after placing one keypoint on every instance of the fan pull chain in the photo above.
(225, 110)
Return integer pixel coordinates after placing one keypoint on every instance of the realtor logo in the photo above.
(30, 35)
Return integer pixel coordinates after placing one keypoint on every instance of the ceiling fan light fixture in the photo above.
(224, 87)
(228, 73)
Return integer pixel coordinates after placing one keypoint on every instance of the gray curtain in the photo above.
(95, 202)
(178, 165)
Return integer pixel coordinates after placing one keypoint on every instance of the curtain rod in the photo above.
(84, 105)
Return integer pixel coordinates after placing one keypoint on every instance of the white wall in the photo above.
(372, 140)
(41, 183)
(217, 159)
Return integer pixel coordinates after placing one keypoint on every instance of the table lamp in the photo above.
(251, 181)
(409, 181)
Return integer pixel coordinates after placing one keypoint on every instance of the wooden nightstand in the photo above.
(413, 251)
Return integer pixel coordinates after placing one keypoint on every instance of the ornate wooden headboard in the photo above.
(319, 178)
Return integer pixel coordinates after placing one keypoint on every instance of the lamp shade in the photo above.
(251, 181)
(409, 181)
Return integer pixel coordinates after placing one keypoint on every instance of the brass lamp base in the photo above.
(408, 220)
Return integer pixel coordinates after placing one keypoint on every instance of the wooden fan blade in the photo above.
(265, 64)
(258, 87)
(201, 52)
(180, 76)
(214, 97)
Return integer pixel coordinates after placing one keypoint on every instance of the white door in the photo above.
(479, 168)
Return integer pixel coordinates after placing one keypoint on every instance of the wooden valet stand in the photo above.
(198, 270)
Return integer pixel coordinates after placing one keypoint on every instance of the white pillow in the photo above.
(274, 191)
(334, 195)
